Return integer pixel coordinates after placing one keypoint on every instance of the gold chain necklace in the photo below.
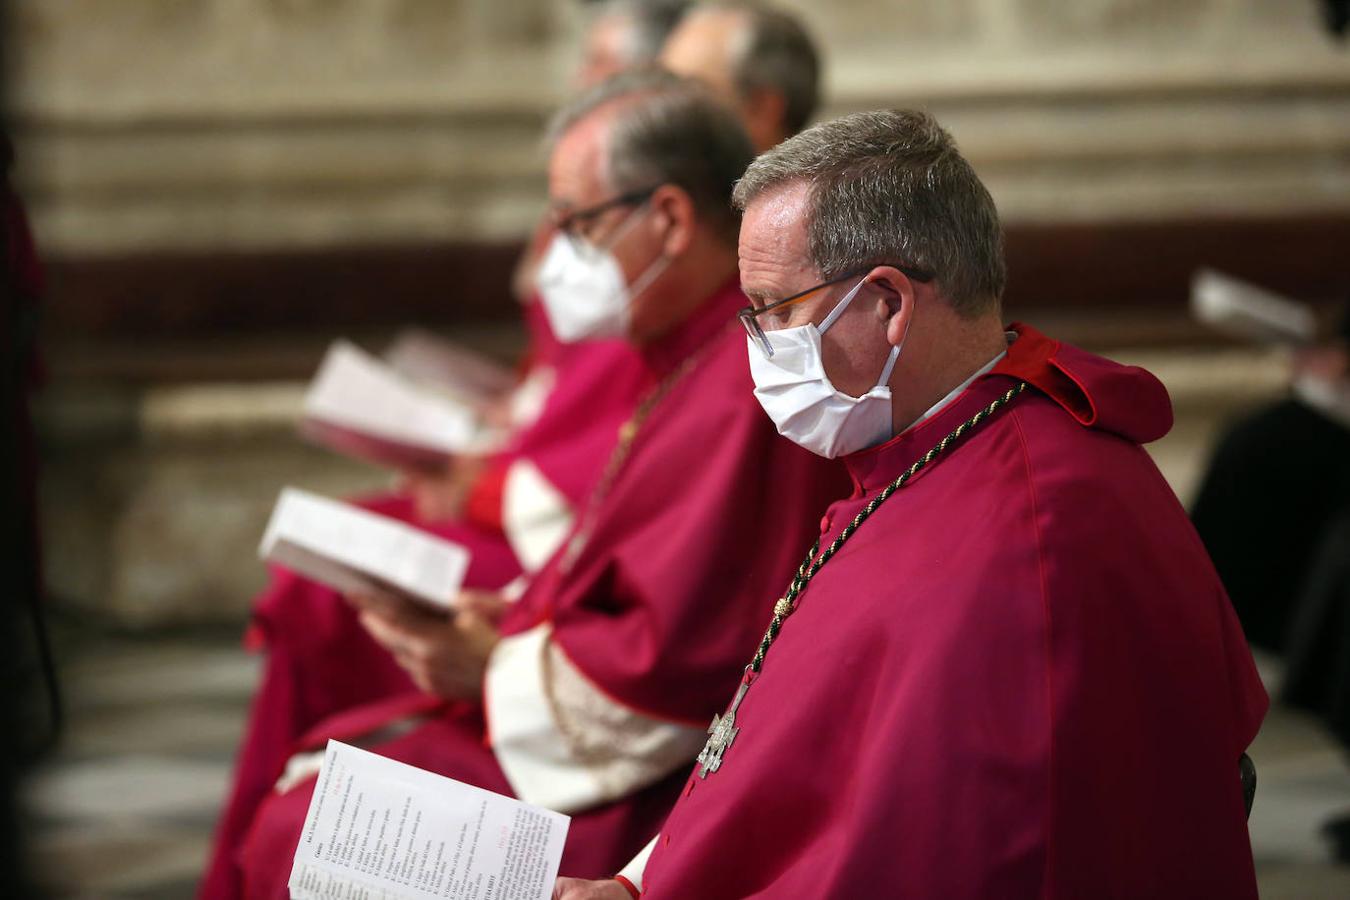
(623, 447)
(723, 729)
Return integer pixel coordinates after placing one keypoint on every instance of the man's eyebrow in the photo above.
(760, 294)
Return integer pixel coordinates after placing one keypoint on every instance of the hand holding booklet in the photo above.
(351, 549)
(377, 828)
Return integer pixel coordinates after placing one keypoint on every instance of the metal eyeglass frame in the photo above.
(566, 223)
(749, 316)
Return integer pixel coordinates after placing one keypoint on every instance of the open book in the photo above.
(385, 830)
(427, 359)
(352, 549)
(360, 406)
(1245, 310)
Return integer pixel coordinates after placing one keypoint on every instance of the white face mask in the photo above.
(584, 295)
(807, 409)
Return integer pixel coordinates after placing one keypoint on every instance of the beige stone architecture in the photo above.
(174, 152)
(264, 123)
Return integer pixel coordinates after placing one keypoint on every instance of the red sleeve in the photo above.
(676, 571)
(484, 504)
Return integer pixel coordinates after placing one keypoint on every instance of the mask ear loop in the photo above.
(895, 351)
(652, 272)
(839, 307)
(644, 281)
(891, 360)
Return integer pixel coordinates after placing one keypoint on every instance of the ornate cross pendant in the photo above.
(721, 733)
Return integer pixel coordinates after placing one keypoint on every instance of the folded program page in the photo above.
(385, 830)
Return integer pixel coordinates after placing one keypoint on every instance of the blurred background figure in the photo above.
(623, 34)
(620, 34)
(509, 508)
(221, 188)
(1273, 511)
(1319, 651)
(1278, 480)
(756, 58)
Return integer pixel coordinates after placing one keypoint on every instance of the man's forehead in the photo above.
(773, 247)
(775, 222)
(576, 166)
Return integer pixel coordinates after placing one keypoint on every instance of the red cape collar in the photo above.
(1061, 373)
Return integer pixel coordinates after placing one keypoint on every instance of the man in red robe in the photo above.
(591, 693)
(321, 661)
(509, 509)
(1010, 669)
(512, 508)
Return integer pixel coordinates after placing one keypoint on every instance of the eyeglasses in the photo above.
(749, 316)
(572, 225)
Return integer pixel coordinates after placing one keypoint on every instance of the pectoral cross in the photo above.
(721, 733)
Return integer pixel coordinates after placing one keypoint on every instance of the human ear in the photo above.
(674, 219)
(895, 301)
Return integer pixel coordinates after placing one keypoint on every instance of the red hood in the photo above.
(1098, 393)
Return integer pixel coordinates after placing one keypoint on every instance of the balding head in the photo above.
(663, 129)
(624, 34)
(759, 60)
(642, 167)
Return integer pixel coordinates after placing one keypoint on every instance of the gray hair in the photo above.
(891, 187)
(649, 23)
(779, 55)
(666, 130)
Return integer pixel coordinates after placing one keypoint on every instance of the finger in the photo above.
(390, 634)
(374, 599)
(420, 677)
(486, 604)
(404, 612)
(475, 632)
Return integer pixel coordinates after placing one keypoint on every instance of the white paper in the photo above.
(353, 549)
(359, 405)
(383, 830)
(428, 359)
(1235, 306)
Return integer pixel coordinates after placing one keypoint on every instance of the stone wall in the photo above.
(188, 161)
(155, 498)
(199, 124)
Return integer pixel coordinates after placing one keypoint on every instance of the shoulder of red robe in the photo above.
(1098, 393)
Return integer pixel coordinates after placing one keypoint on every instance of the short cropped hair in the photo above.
(891, 187)
(779, 55)
(649, 23)
(667, 130)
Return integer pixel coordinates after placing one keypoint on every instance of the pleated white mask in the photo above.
(802, 402)
(585, 296)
